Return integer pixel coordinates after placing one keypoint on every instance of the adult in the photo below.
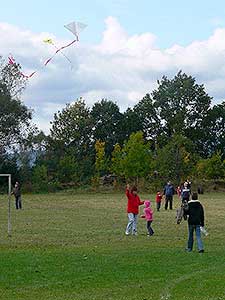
(188, 184)
(185, 192)
(195, 214)
(133, 202)
(17, 194)
(168, 193)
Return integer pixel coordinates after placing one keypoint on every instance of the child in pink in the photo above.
(148, 215)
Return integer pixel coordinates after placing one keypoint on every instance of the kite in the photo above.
(74, 27)
(50, 42)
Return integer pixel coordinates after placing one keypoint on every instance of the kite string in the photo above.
(64, 55)
(12, 61)
(58, 50)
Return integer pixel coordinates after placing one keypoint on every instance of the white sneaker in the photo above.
(127, 233)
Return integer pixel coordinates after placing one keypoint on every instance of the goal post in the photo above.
(9, 201)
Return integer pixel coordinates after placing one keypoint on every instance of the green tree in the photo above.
(106, 121)
(72, 125)
(11, 77)
(136, 157)
(68, 169)
(212, 168)
(100, 159)
(116, 161)
(148, 118)
(71, 135)
(213, 136)
(15, 117)
(175, 161)
(40, 178)
(177, 106)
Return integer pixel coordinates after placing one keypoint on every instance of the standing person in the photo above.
(148, 215)
(133, 202)
(195, 214)
(185, 192)
(158, 200)
(188, 184)
(17, 193)
(179, 191)
(168, 192)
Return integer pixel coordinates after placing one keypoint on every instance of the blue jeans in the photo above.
(191, 229)
(18, 202)
(132, 223)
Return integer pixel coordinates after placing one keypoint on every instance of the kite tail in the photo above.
(12, 61)
(58, 50)
(27, 76)
(48, 60)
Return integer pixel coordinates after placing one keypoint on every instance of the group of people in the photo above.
(191, 207)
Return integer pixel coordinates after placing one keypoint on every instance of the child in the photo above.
(133, 202)
(148, 215)
(158, 200)
(179, 191)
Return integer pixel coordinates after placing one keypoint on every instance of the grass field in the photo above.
(72, 246)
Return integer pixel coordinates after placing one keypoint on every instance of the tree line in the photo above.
(174, 132)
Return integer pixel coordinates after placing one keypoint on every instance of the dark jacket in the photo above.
(195, 212)
(16, 191)
(169, 190)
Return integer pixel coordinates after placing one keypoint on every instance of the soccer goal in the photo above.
(9, 201)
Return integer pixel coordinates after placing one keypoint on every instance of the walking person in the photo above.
(185, 192)
(148, 215)
(133, 202)
(195, 214)
(169, 192)
(17, 194)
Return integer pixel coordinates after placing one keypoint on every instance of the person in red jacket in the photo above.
(133, 202)
(158, 200)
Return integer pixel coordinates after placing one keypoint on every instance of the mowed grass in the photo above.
(73, 246)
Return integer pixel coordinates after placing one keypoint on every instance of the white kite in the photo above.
(74, 27)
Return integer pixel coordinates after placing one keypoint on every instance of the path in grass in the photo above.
(72, 246)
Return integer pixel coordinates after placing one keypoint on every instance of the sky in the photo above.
(127, 46)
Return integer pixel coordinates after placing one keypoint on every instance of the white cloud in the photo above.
(121, 68)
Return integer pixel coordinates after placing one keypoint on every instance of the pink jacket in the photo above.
(148, 212)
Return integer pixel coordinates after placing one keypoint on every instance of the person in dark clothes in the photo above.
(195, 214)
(169, 192)
(17, 193)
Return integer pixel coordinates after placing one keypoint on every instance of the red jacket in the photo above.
(158, 197)
(133, 202)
